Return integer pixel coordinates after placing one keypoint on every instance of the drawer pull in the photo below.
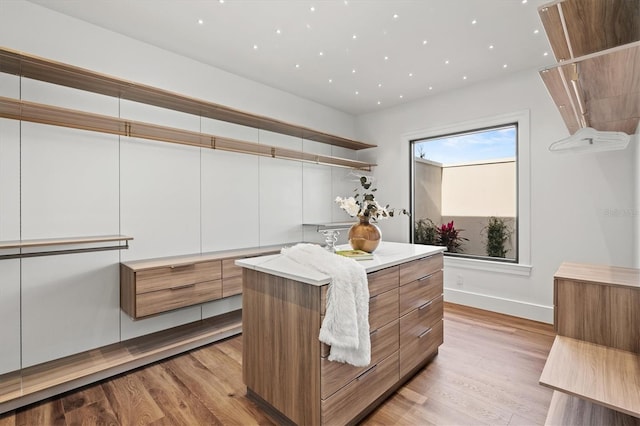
(426, 305)
(180, 287)
(181, 266)
(424, 333)
(425, 278)
(366, 373)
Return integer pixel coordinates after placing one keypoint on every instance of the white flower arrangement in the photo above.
(365, 204)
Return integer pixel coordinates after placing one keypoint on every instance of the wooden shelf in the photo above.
(596, 83)
(601, 90)
(567, 410)
(56, 116)
(30, 66)
(51, 378)
(72, 241)
(577, 28)
(611, 275)
(61, 241)
(598, 374)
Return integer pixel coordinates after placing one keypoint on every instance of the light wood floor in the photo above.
(486, 373)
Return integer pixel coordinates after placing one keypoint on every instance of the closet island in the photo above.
(285, 366)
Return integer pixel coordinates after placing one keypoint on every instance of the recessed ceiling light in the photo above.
(401, 96)
(430, 87)
(379, 102)
(313, 9)
(221, 1)
(200, 21)
(536, 31)
(353, 71)
(379, 84)
(357, 93)
(395, 16)
(504, 66)
(491, 46)
(464, 77)
(410, 74)
(386, 58)
(524, 1)
(255, 47)
(474, 22)
(308, 26)
(330, 80)
(446, 62)
(321, 54)
(278, 31)
(297, 65)
(545, 54)
(424, 42)
(354, 36)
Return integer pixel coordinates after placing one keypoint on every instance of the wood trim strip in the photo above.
(31, 66)
(56, 116)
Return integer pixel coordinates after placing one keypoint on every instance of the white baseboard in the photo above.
(516, 308)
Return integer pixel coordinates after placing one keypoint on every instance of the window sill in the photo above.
(489, 266)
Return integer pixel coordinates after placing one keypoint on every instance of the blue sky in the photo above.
(485, 145)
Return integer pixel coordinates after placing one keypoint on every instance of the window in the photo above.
(465, 192)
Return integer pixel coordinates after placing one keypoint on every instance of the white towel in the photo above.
(346, 322)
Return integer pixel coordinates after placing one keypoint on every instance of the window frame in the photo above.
(521, 266)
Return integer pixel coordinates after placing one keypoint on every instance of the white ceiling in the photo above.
(357, 56)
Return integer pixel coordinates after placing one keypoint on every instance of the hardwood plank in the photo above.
(96, 413)
(131, 401)
(83, 397)
(603, 375)
(175, 399)
(48, 413)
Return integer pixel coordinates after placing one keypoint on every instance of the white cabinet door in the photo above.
(280, 193)
(9, 315)
(230, 185)
(70, 304)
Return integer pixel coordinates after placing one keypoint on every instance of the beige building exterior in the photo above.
(468, 194)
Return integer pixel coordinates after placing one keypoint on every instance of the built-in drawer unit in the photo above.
(353, 398)
(420, 311)
(416, 269)
(384, 342)
(153, 286)
(421, 291)
(231, 278)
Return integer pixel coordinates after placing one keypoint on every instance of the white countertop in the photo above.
(386, 255)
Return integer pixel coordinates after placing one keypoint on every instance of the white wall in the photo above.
(171, 199)
(635, 145)
(570, 195)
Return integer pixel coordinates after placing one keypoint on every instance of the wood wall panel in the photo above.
(281, 355)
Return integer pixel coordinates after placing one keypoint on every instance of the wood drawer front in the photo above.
(417, 293)
(352, 399)
(231, 286)
(383, 308)
(173, 276)
(165, 300)
(334, 375)
(418, 349)
(230, 269)
(417, 322)
(384, 280)
(417, 269)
